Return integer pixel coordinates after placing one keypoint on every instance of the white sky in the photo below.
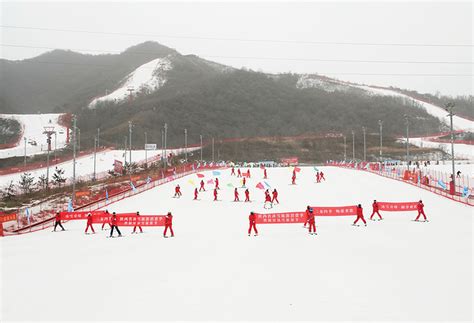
(179, 25)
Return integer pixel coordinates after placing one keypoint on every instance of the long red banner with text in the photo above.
(79, 215)
(335, 210)
(287, 217)
(123, 219)
(7, 217)
(398, 206)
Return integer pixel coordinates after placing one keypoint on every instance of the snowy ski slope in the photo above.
(33, 128)
(392, 270)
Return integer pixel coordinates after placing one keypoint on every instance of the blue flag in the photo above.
(133, 187)
(106, 195)
(316, 169)
(215, 173)
(27, 212)
(267, 185)
(441, 183)
(465, 192)
(148, 180)
(69, 206)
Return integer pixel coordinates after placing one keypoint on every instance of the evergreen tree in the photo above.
(26, 182)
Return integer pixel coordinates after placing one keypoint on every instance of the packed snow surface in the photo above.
(33, 128)
(148, 77)
(391, 270)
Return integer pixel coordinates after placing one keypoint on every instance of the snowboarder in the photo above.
(58, 221)
(375, 209)
(360, 215)
(233, 171)
(265, 173)
(247, 195)
(275, 196)
(177, 191)
(321, 176)
(114, 226)
(135, 227)
(239, 173)
(195, 193)
(312, 225)
(215, 194)
(202, 186)
(217, 184)
(108, 216)
(89, 223)
(236, 195)
(243, 182)
(421, 211)
(252, 224)
(168, 224)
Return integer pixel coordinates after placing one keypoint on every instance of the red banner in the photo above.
(7, 217)
(79, 215)
(127, 220)
(83, 193)
(290, 161)
(398, 206)
(335, 210)
(287, 217)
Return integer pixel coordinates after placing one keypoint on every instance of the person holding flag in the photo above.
(114, 226)
(217, 184)
(202, 186)
(89, 223)
(360, 215)
(318, 178)
(135, 227)
(375, 209)
(265, 173)
(293, 178)
(195, 193)
(252, 224)
(420, 208)
(321, 176)
(311, 221)
(168, 224)
(236, 195)
(247, 195)
(58, 221)
(177, 191)
(275, 196)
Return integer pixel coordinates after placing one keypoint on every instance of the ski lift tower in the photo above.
(48, 131)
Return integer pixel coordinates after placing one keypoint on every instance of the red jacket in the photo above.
(169, 220)
(202, 183)
(243, 180)
(375, 206)
(176, 189)
(359, 212)
(58, 217)
(252, 218)
(114, 220)
(268, 198)
(275, 194)
(236, 193)
(247, 193)
(310, 217)
(420, 206)
(215, 192)
(89, 219)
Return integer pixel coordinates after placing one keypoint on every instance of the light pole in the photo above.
(95, 152)
(380, 127)
(130, 141)
(186, 145)
(363, 131)
(166, 153)
(162, 145)
(24, 161)
(353, 145)
(408, 140)
(146, 154)
(125, 149)
(449, 107)
(48, 131)
(79, 140)
(98, 137)
(200, 136)
(74, 159)
(345, 149)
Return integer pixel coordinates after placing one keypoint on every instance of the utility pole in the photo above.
(98, 137)
(408, 140)
(166, 153)
(79, 141)
(146, 154)
(162, 145)
(186, 145)
(380, 127)
(345, 148)
(95, 152)
(200, 136)
(365, 154)
(24, 161)
(212, 149)
(125, 149)
(353, 145)
(55, 144)
(48, 131)
(130, 141)
(449, 107)
(73, 159)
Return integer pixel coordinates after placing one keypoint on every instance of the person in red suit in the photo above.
(318, 178)
(236, 195)
(103, 224)
(321, 176)
(420, 208)
(306, 216)
(113, 223)
(89, 223)
(58, 221)
(233, 171)
(177, 191)
(268, 198)
(375, 210)
(360, 215)
(311, 221)
(215, 194)
(202, 186)
(275, 196)
(243, 182)
(196, 193)
(239, 173)
(248, 173)
(135, 227)
(293, 178)
(217, 184)
(265, 173)
(168, 225)
(247, 195)
(252, 223)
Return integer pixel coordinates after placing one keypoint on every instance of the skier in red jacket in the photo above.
(275, 196)
(243, 182)
(177, 191)
(215, 194)
(252, 224)
(247, 195)
(265, 173)
(233, 171)
(375, 210)
(306, 216)
(135, 227)
(421, 211)
(202, 186)
(58, 221)
(168, 224)
(311, 221)
(239, 173)
(360, 215)
(321, 176)
(268, 201)
(248, 173)
(89, 223)
(217, 184)
(196, 193)
(293, 179)
(318, 178)
(103, 224)
(113, 223)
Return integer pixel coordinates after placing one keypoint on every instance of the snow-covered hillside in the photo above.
(462, 151)
(147, 78)
(391, 270)
(33, 126)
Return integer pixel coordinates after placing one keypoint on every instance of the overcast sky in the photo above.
(268, 36)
